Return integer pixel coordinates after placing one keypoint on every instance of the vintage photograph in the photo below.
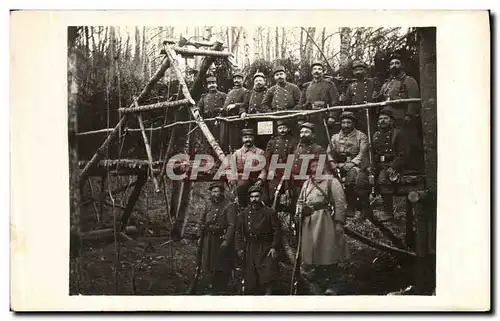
(243, 160)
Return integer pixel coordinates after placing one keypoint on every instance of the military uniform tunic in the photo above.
(282, 146)
(258, 231)
(401, 87)
(245, 182)
(219, 221)
(232, 131)
(253, 104)
(326, 92)
(282, 97)
(362, 92)
(211, 103)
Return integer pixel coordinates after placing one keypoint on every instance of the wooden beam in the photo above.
(106, 232)
(201, 52)
(141, 181)
(148, 149)
(160, 105)
(379, 246)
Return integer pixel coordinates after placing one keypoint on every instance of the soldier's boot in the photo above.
(366, 210)
(330, 276)
(351, 199)
(387, 214)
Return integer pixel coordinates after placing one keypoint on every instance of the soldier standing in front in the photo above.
(258, 240)
(350, 155)
(319, 94)
(218, 221)
(321, 206)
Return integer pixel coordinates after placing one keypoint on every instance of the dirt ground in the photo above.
(150, 265)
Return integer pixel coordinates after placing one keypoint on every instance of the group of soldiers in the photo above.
(249, 229)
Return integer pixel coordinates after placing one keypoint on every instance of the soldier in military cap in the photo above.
(400, 86)
(258, 241)
(218, 221)
(349, 150)
(253, 105)
(283, 95)
(232, 106)
(240, 157)
(320, 93)
(211, 103)
(393, 156)
(321, 206)
(306, 145)
(280, 146)
(362, 91)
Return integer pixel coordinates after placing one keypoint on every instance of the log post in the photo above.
(425, 209)
(148, 148)
(102, 198)
(134, 196)
(410, 234)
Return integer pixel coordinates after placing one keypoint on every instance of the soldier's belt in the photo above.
(215, 230)
(260, 237)
(317, 207)
(344, 158)
(385, 158)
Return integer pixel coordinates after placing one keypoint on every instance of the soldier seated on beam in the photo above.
(248, 159)
(394, 157)
(350, 155)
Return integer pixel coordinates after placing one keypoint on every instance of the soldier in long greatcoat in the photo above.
(258, 240)
(320, 93)
(350, 155)
(232, 106)
(322, 206)
(218, 225)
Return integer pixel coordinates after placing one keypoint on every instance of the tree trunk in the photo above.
(345, 34)
(268, 44)
(301, 46)
(144, 55)
(323, 39)
(309, 43)
(426, 218)
(283, 43)
(137, 53)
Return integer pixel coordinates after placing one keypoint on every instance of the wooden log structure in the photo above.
(201, 52)
(106, 232)
(148, 148)
(100, 151)
(270, 115)
(188, 42)
(141, 181)
(160, 105)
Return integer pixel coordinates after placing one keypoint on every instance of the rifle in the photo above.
(371, 174)
(199, 261)
(336, 170)
(294, 283)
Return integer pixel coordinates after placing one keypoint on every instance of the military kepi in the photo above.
(247, 131)
(238, 74)
(308, 125)
(348, 115)
(211, 79)
(254, 189)
(318, 63)
(278, 69)
(259, 74)
(386, 111)
(218, 184)
(282, 122)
